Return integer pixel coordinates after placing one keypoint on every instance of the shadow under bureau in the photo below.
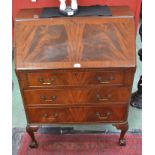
(75, 70)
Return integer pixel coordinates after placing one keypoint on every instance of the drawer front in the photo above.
(77, 96)
(58, 78)
(47, 115)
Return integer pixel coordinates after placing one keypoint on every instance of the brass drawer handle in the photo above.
(53, 98)
(46, 82)
(101, 81)
(104, 82)
(103, 117)
(104, 99)
(53, 117)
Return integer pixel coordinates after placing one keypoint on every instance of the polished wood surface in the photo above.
(83, 114)
(77, 96)
(63, 43)
(75, 70)
(74, 78)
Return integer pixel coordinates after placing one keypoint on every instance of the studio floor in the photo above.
(19, 119)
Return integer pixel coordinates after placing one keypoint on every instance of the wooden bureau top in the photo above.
(30, 13)
(75, 42)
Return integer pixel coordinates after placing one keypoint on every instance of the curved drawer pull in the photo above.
(103, 117)
(104, 99)
(53, 117)
(46, 82)
(99, 79)
(53, 98)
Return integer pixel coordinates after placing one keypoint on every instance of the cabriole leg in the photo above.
(124, 128)
(30, 130)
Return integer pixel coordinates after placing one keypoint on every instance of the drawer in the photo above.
(64, 78)
(77, 96)
(78, 114)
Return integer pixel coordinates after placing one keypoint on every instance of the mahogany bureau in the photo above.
(75, 70)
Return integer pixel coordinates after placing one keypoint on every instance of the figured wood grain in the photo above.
(60, 43)
(74, 78)
(77, 96)
(118, 113)
(75, 70)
